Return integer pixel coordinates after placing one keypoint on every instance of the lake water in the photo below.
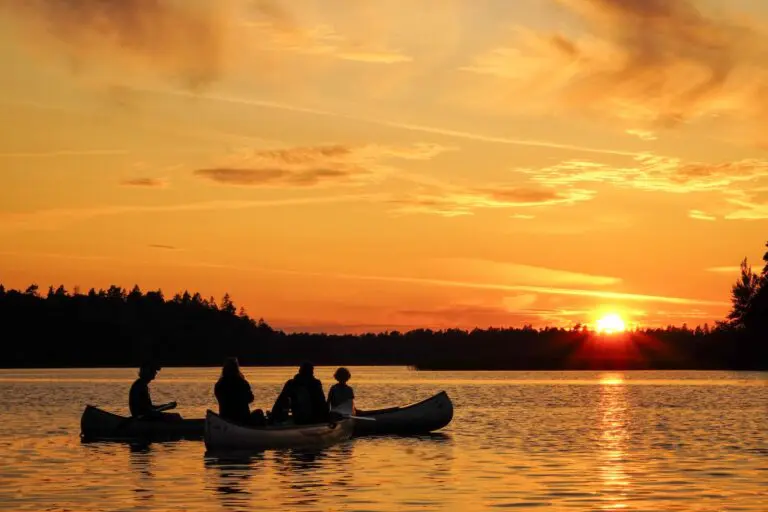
(655, 441)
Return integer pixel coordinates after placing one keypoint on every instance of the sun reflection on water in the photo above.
(614, 433)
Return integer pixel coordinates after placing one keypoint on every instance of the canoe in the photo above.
(423, 417)
(221, 434)
(100, 425)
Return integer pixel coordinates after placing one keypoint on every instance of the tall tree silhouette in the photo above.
(749, 299)
(743, 293)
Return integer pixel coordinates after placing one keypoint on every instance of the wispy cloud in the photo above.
(315, 165)
(182, 39)
(700, 215)
(145, 182)
(602, 294)
(475, 315)
(420, 128)
(748, 206)
(654, 172)
(324, 40)
(57, 217)
(450, 283)
(724, 270)
(64, 153)
(299, 178)
(645, 135)
(474, 269)
(452, 201)
(652, 61)
(190, 43)
(163, 247)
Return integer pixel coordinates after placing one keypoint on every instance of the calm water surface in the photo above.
(655, 441)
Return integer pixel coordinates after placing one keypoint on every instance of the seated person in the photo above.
(139, 401)
(233, 392)
(303, 397)
(341, 392)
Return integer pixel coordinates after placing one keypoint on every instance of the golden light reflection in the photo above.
(614, 426)
(611, 379)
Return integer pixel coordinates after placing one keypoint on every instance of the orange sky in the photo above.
(347, 166)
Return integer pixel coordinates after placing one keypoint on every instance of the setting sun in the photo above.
(610, 324)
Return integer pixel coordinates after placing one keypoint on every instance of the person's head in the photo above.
(231, 369)
(306, 369)
(342, 375)
(148, 371)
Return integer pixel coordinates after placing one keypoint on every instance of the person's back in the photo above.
(308, 400)
(233, 394)
(341, 392)
(306, 397)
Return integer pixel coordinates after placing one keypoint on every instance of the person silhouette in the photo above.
(341, 392)
(140, 401)
(303, 396)
(233, 392)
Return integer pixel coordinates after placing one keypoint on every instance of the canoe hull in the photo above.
(100, 425)
(423, 417)
(223, 435)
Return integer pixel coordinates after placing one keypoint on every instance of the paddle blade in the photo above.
(345, 409)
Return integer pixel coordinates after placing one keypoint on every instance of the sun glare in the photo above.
(610, 324)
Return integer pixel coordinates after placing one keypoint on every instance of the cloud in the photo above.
(645, 135)
(65, 153)
(55, 218)
(472, 315)
(749, 206)
(193, 42)
(700, 215)
(181, 39)
(654, 61)
(419, 128)
(653, 172)
(145, 182)
(299, 178)
(476, 285)
(163, 247)
(515, 273)
(324, 40)
(452, 201)
(314, 165)
(724, 270)
(602, 294)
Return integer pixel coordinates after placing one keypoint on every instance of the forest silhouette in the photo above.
(118, 328)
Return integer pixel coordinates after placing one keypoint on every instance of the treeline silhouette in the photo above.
(117, 327)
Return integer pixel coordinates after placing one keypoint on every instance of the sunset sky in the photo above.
(345, 165)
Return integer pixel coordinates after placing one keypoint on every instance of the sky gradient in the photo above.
(350, 166)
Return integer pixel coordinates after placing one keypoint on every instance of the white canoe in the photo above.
(423, 417)
(221, 434)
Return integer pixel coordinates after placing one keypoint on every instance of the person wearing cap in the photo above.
(303, 396)
(139, 400)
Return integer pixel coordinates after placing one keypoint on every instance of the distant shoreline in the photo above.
(120, 328)
(602, 368)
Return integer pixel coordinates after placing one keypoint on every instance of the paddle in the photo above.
(345, 410)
